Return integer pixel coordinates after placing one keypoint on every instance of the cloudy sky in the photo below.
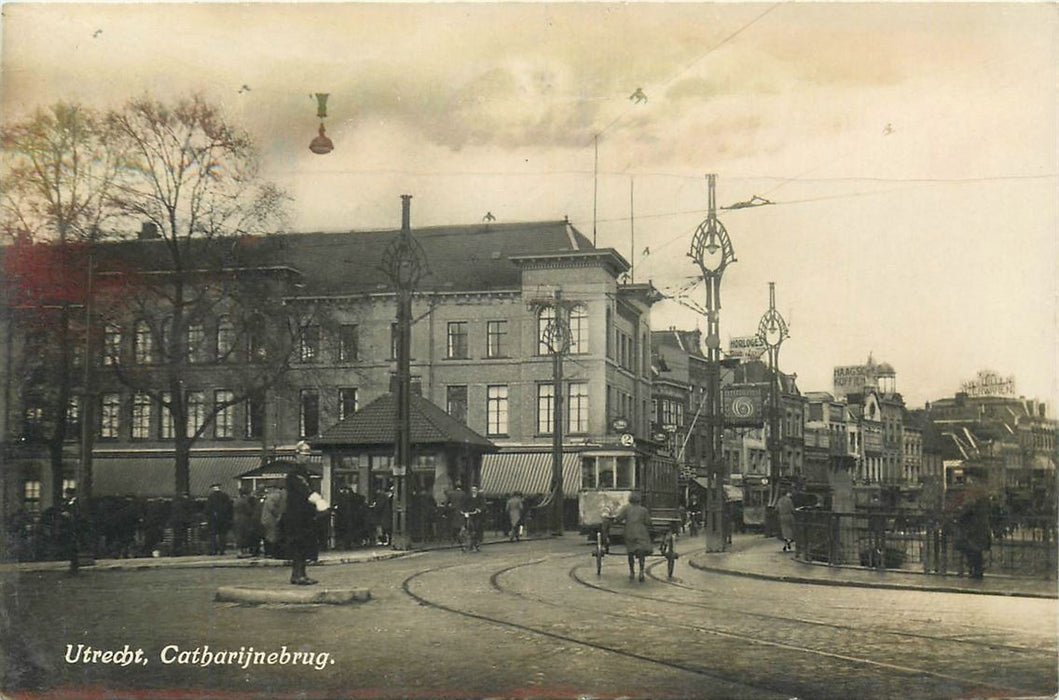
(909, 149)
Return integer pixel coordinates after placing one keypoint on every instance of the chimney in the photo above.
(406, 212)
(148, 231)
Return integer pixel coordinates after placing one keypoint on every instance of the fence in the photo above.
(1021, 545)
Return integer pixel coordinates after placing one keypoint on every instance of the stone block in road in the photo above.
(292, 596)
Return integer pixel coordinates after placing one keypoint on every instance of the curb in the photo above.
(324, 596)
(786, 578)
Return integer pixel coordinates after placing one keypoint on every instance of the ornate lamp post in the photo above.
(403, 264)
(773, 330)
(711, 249)
(556, 337)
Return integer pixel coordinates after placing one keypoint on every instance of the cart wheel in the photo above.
(599, 553)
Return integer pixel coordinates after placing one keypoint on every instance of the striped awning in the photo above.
(528, 472)
(153, 476)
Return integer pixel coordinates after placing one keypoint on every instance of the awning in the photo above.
(731, 493)
(528, 472)
(153, 476)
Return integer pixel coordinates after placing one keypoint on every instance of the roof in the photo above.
(458, 258)
(374, 425)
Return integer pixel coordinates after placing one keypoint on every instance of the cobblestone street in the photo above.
(533, 620)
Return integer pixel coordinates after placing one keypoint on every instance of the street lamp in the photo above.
(772, 330)
(712, 251)
(402, 262)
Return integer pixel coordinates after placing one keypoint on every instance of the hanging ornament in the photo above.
(321, 144)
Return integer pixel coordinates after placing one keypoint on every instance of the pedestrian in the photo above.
(382, 513)
(181, 517)
(243, 521)
(218, 518)
(299, 517)
(876, 534)
(457, 501)
(637, 533)
(344, 517)
(514, 507)
(272, 507)
(974, 533)
(785, 511)
(70, 514)
(475, 506)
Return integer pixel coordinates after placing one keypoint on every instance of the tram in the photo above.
(607, 479)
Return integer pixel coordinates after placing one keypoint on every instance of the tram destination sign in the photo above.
(744, 405)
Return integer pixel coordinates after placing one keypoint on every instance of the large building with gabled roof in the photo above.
(476, 353)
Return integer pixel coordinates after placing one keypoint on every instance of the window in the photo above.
(255, 416)
(31, 490)
(577, 408)
(495, 338)
(69, 484)
(588, 473)
(610, 338)
(196, 411)
(347, 343)
(544, 323)
(394, 339)
(309, 413)
(579, 329)
(73, 417)
(196, 343)
(141, 416)
(111, 344)
(347, 402)
(142, 344)
(256, 350)
(545, 408)
(224, 416)
(109, 415)
(496, 410)
(625, 471)
(309, 344)
(456, 402)
(166, 427)
(457, 347)
(226, 338)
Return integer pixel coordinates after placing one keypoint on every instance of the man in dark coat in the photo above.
(219, 518)
(974, 534)
(71, 522)
(299, 518)
(637, 521)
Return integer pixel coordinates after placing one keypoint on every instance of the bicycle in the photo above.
(469, 537)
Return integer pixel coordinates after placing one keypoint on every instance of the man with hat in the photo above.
(219, 512)
(300, 516)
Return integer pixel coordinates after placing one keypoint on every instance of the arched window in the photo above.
(142, 343)
(578, 329)
(226, 339)
(544, 321)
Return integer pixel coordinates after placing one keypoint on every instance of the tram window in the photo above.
(588, 473)
(606, 472)
(625, 472)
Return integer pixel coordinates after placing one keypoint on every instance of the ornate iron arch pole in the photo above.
(773, 330)
(712, 251)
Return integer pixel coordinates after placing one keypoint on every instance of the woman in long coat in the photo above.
(785, 511)
(637, 534)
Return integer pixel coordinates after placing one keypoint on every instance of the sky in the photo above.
(909, 150)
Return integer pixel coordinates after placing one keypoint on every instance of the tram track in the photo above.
(1050, 652)
(406, 586)
(661, 623)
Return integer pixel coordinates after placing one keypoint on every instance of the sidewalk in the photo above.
(756, 556)
(232, 560)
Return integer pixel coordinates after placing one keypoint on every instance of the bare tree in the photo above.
(204, 290)
(59, 170)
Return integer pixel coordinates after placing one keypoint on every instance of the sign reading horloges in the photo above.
(744, 405)
(749, 347)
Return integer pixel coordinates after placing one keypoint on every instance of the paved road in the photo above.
(530, 619)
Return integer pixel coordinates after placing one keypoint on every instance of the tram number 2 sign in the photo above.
(744, 405)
